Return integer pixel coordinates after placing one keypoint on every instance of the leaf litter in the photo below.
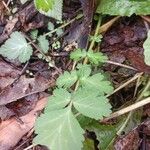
(24, 87)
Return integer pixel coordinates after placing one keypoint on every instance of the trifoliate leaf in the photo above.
(43, 44)
(59, 130)
(96, 39)
(146, 46)
(67, 79)
(90, 104)
(59, 100)
(97, 82)
(51, 8)
(78, 54)
(16, 48)
(96, 57)
(124, 7)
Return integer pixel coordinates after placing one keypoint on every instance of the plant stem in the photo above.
(93, 41)
(86, 59)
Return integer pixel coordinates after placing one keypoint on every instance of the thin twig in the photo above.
(121, 65)
(107, 25)
(146, 18)
(137, 85)
(6, 6)
(60, 27)
(38, 48)
(126, 83)
(129, 108)
(93, 41)
(29, 147)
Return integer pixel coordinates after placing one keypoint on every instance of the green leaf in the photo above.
(90, 104)
(96, 39)
(59, 100)
(96, 58)
(59, 32)
(84, 71)
(59, 130)
(51, 26)
(34, 34)
(124, 7)
(93, 57)
(88, 144)
(51, 8)
(67, 79)
(23, 1)
(146, 46)
(106, 134)
(16, 47)
(78, 54)
(44, 5)
(97, 82)
(43, 44)
(83, 120)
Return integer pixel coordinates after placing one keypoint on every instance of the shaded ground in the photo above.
(24, 88)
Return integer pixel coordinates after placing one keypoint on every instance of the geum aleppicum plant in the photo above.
(58, 127)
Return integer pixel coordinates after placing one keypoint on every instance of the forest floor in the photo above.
(25, 87)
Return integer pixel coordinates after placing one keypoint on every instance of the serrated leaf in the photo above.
(16, 47)
(59, 100)
(124, 7)
(67, 79)
(90, 104)
(51, 8)
(96, 39)
(84, 70)
(96, 57)
(43, 44)
(59, 130)
(97, 82)
(146, 47)
(78, 54)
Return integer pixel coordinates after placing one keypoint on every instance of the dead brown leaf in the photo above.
(129, 142)
(125, 40)
(80, 30)
(8, 74)
(12, 131)
(27, 18)
(137, 138)
(30, 18)
(25, 87)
